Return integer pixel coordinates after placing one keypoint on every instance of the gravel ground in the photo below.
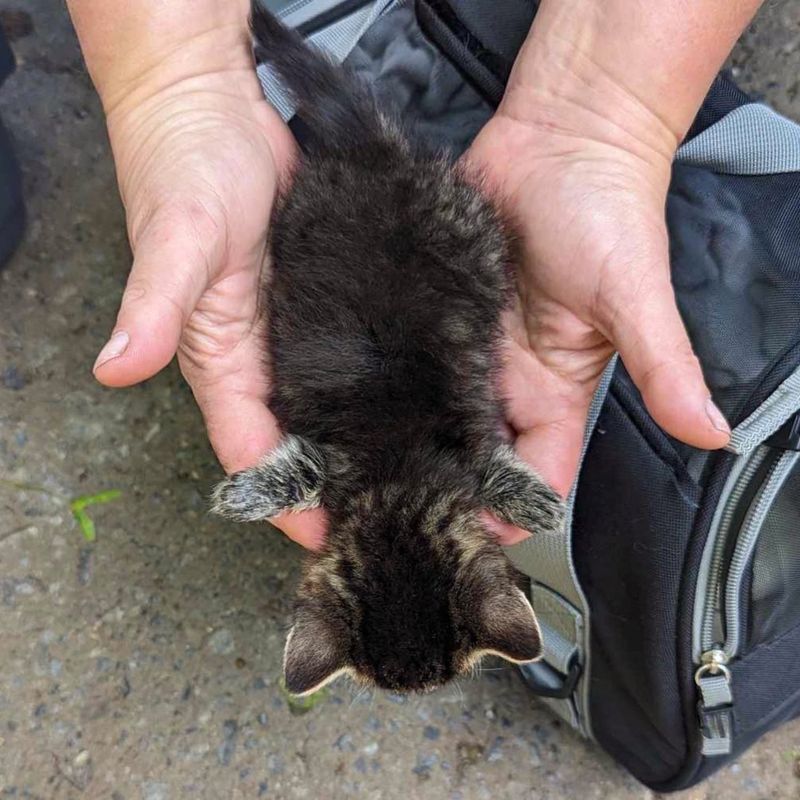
(145, 665)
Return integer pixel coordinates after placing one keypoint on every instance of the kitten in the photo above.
(389, 276)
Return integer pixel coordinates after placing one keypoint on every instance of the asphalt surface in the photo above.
(145, 664)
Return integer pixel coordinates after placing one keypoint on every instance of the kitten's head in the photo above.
(411, 590)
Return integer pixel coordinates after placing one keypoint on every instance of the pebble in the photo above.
(495, 753)
(275, 764)
(13, 379)
(154, 790)
(424, 764)
(221, 642)
(431, 733)
(230, 730)
(85, 564)
(344, 743)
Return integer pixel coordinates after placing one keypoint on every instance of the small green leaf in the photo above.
(87, 500)
(301, 705)
(86, 524)
(78, 505)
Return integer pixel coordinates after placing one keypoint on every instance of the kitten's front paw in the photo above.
(290, 478)
(516, 494)
(240, 497)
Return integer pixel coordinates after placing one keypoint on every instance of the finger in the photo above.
(175, 256)
(231, 392)
(553, 449)
(547, 411)
(242, 431)
(653, 344)
(307, 528)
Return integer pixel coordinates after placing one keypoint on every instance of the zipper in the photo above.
(734, 546)
(754, 483)
(712, 675)
(779, 471)
(767, 449)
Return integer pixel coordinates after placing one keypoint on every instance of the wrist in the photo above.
(139, 49)
(564, 86)
(628, 74)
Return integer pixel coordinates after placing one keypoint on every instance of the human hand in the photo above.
(199, 154)
(589, 202)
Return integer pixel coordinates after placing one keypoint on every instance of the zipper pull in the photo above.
(715, 708)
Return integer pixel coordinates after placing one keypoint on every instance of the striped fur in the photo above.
(390, 272)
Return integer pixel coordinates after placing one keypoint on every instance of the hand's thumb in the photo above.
(651, 339)
(173, 261)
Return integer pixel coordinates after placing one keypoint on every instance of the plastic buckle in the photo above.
(716, 726)
(545, 681)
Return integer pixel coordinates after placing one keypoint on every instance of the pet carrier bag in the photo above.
(670, 605)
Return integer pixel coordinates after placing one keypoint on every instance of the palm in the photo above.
(199, 165)
(594, 278)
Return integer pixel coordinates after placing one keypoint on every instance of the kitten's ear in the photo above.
(315, 654)
(508, 628)
(290, 478)
(516, 494)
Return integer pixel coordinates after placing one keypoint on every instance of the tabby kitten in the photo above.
(389, 273)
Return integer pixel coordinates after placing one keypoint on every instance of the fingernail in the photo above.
(716, 418)
(113, 348)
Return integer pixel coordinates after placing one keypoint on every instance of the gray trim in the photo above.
(712, 565)
(547, 559)
(768, 417)
(561, 627)
(750, 140)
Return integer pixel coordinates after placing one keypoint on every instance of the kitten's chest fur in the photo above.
(390, 275)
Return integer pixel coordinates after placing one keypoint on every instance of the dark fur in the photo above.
(389, 275)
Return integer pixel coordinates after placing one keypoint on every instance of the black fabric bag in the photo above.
(12, 210)
(670, 605)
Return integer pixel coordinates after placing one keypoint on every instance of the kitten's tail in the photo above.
(337, 109)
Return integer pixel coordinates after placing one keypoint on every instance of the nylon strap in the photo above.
(715, 690)
(557, 597)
